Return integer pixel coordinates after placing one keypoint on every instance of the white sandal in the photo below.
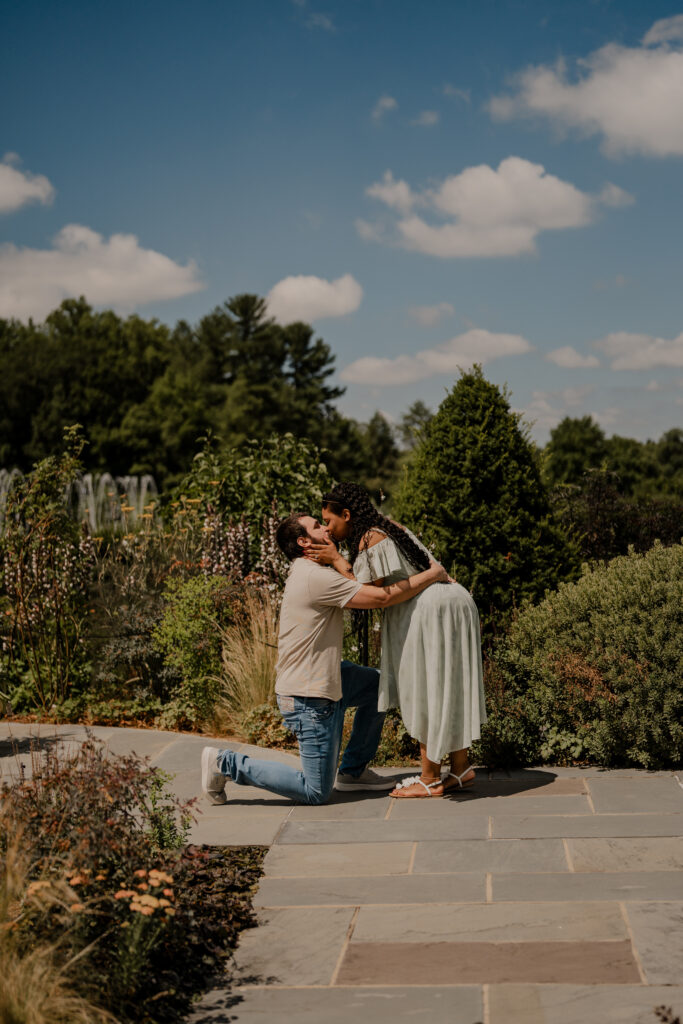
(427, 786)
(459, 778)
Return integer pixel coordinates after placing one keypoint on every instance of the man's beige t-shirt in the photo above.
(311, 631)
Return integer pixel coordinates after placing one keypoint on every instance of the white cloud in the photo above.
(313, 298)
(570, 359)
(666, 30)
(323, 21)
(17, 188)
(426, 119)
(455, 93)
(370, 232)
(547, 408)
(461, 352)
(612, 195)
(632, 96)
(641, 351)
(396, 194)
(115, 272)
(430, 316)
(487, 211)
(383, 105)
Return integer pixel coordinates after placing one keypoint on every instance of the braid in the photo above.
(365, 517)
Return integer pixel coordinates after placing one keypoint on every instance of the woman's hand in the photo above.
(440, 574)
(323, 554)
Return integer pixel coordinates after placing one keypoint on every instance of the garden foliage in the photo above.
(135, 921)
(46, 569)
(473, 491)
(595, 671)
(603, 523)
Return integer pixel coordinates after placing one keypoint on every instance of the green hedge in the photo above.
(595, 671)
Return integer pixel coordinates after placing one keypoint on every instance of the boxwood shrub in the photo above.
(594, 672)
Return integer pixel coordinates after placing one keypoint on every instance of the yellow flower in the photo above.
(161, 876)
(148, 901)
(170, 911)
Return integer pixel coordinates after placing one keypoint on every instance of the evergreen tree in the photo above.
(473, 491)
(575, 446)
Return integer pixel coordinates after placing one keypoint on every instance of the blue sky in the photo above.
(429, 183)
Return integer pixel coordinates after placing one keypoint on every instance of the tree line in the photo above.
(145, 392)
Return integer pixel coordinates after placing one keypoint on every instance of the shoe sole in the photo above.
(216, 796)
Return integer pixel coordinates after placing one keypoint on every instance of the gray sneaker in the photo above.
(366, 780)
(213, 781)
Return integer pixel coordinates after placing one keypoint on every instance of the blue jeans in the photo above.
(317, 724)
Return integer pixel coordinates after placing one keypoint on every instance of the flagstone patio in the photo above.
(546, 896)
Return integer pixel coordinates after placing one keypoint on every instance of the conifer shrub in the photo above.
(594, 672)
(473, 491)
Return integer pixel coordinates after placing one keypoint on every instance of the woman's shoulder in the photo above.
(372, 537)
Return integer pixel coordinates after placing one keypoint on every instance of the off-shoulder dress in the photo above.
(431, 665)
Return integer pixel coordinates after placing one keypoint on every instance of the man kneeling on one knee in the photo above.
(313, 685)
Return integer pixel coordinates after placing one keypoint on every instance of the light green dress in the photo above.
(431, 664)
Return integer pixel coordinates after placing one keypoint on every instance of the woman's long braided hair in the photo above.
(364, 518)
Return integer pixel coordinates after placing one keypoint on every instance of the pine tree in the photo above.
(473, 491)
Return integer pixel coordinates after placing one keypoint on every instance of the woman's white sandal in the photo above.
(413, 780)
(459, 778)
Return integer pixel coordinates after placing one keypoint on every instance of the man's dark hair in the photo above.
(288, 533)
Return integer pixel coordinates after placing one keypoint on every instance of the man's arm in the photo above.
(396, 593)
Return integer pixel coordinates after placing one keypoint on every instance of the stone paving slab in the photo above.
(433, 963)
(493, 855)
(658, 935)
(455, 807)
(295, 892)
(610, 795)
(518, 826)
(390, 831)
(524, 786)
(345, 807)
(493, 922)
(244, 830)
(293, 947)
(339, 860)
(548, 875)
(581, 772)
(579, 1004)
(663, 853)
(434, 1005)
(624, 885)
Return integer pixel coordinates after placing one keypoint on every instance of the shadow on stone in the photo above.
(15, 746)
(485, 788)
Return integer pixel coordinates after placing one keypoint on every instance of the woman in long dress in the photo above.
(431, 666)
